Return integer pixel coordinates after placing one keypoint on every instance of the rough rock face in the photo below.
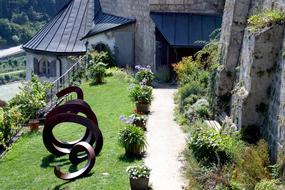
(252, 72)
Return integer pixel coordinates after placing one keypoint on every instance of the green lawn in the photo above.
(30, 166)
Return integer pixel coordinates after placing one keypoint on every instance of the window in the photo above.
(44, 68)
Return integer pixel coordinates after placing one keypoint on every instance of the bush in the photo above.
(10, 123)
(189, 90)
(97, 72)
(105, 57)
(199, 110)
(209, 147)
(140, 93)
(120, 74)
(252, 165)
(133, 140)
(266, 185)
(144, 75)
(265, 19)
(30, 99)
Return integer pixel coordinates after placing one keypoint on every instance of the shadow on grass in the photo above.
(60, 186)
(93, 84)
(130, 159)
(51, 161)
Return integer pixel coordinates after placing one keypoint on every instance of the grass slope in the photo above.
(30, 166)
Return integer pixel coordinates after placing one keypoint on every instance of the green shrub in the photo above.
(187, 70)
(105, 57)
(30, 99)
(10, 124)
(191, 89)
(265, 19)
(266, 185)
(140, 93)
(252, 165)
(133, 140)
(209, 147)
(120, 74)
(199, 110)
(97, 72)
(144, 74)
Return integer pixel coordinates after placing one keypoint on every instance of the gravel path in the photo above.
(166, 142)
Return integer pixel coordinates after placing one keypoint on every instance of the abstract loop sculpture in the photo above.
(69, 112)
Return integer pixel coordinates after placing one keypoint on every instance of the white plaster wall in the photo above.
(105, 38)
(30, 66)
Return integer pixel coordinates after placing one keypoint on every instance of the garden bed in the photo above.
(30, 166)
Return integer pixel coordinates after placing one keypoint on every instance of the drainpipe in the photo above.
(60, 69)
(60, 66)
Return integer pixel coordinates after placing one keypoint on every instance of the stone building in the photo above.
(138, 32)
(251, 81)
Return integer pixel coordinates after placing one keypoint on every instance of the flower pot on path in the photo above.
(142, 108)
(139, 184)
(34, 124)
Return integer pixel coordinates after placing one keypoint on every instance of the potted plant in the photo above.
(97, 73)
(133, 140)
(142, 96)
(136, 120)
(34, 124)
(139, 177)
(144, 74)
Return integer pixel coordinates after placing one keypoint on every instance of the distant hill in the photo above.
(21, 19)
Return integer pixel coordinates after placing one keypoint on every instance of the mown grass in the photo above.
(28, 165)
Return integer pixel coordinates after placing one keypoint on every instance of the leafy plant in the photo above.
(97, 72)
(134, 119)
(136, 172)
(10, 123)
(140, 93)
(210, 147)
(265, 19)
(133, 140)
(144, 75)
(31, 98)
(266, 185)
(103, 55)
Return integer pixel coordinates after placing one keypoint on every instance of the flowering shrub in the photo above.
(141, 93)
(134, 119)
(31, 99)
(136, 172)
(96, 71)
(144, 74)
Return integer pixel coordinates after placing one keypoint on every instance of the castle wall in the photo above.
(252, 69)
(193, 6)
(145, 41)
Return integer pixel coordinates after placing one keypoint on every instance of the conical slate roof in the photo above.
(64, 34)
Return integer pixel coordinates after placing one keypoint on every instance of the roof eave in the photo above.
(54, 53)
(113, 28)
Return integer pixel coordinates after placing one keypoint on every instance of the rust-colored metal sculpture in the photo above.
(69, 112)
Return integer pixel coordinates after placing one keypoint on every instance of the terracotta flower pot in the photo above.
(139, 184)
(34, 124)
(142, 108)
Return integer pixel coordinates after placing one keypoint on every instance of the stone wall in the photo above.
(193, 6)
(253, 70)
(145, 28)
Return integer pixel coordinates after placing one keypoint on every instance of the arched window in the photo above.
(45, 68)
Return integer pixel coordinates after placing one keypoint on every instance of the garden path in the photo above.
(166, 141)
